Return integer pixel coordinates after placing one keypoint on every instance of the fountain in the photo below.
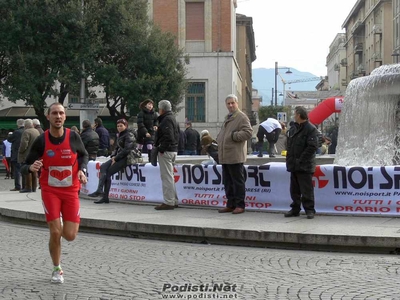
(369, 126)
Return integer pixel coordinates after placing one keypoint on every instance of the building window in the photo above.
(195, 102)
(195, 21)
(73, 99)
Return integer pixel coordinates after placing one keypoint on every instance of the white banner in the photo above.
(338, 189)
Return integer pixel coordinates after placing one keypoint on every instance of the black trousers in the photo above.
(17, 175)
(110, 169)
(302, 192)
(272, 138)
(233, 177)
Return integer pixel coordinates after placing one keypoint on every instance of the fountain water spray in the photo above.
(369, 126)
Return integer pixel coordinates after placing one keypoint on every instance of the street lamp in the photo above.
(281, 101)
(276, 80)
(284, 88)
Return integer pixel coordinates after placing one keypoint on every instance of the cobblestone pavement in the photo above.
(107, 267)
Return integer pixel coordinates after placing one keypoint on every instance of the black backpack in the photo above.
(212, 150)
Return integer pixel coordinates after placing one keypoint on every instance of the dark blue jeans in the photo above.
(190, 152)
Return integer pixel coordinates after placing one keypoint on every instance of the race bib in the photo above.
(60, 176)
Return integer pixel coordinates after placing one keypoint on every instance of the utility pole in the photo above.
(84, 113)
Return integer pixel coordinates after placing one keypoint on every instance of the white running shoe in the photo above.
(57, 276)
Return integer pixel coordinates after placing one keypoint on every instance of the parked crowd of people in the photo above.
(15, 149)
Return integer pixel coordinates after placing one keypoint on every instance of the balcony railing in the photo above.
(358, 48)
(377, 56)
(357, 26)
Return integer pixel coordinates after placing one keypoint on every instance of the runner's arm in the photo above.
(35, 153)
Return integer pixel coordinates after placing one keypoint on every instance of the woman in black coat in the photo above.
(125, 142)
(147, 125)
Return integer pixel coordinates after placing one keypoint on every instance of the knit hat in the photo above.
(204, 132)
(144, 103)
(123, 121)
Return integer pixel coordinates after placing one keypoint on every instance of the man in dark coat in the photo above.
(300, 162)
(15, 139)
(166, 141)
(90, 139)
(181, 142)
(333, 137)
(192, 145)
(104, 137)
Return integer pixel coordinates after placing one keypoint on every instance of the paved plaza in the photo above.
(106, 267)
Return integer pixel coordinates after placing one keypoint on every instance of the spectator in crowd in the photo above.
(15, 140)
(74, 128)
(333, 137)
(192, 145)
(209, 146)
(181, 142)
(125, 142)
(281, 144)
(271, 129)
(104, 137)
(292, 128)
(36, 125)
(167, 138)
(254, 145)
(112, 145)
(300, 162)
(7, 154)
(147, 126)
(29, 135)
(90, 139)
(60, 181)
(203, 134)
(320, 139)
(232, 153)
(326, 142)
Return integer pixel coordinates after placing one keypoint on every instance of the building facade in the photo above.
(206, 31)
(369, 38)
(336, 69)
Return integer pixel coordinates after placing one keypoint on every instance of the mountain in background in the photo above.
(264, 81)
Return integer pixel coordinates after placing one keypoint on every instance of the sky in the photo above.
(295, 33)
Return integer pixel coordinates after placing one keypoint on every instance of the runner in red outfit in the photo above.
(61, 156)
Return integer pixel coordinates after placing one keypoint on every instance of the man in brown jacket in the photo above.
(232, 153)
(28, 137)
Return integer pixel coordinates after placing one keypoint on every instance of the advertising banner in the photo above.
(338, 189)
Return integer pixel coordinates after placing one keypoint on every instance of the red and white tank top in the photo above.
(60, 164)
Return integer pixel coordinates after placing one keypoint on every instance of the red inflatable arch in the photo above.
(325, 109)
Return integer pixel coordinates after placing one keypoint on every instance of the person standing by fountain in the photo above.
(271, 129)
(232, 153)
(300, 162)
